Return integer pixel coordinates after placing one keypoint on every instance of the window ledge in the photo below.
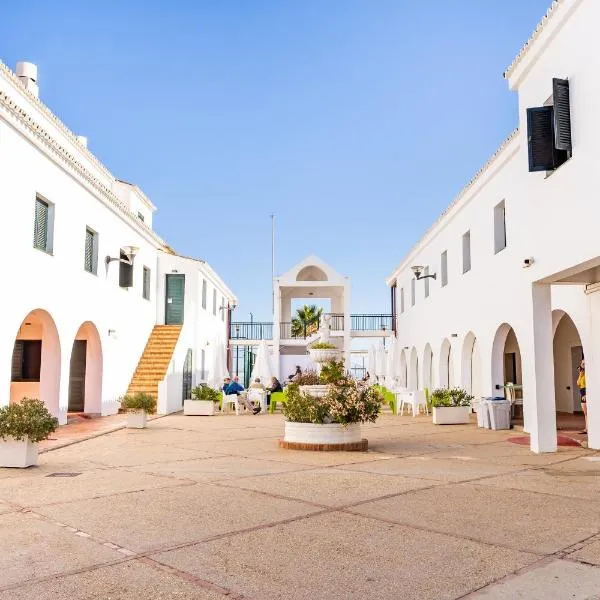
(47, 252)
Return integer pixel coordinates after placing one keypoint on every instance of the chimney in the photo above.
(82, 140)
(27, 74)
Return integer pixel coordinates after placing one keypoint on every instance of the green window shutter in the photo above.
(40, 231)
(89, 251)
(146, 284)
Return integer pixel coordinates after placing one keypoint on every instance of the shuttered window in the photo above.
(444, 262)
(412, 292)
(146, 284)
(401, 300)
(562, 115)
(466, 251)
(204, 293)
(40, 231)
(91, 251)
(125, 271)
(215, 301)
(26, 360)
(222, 308)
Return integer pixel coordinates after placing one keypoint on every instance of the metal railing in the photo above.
(251, 331)
(290, 331)
(336, 321)
(371, 322)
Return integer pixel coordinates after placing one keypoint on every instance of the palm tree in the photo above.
(306, 321)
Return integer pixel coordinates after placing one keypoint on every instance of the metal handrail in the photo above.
(251, 331)
(371, 322)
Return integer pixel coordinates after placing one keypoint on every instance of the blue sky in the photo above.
(355, 121)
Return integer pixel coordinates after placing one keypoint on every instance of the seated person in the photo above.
(274, 387)
(235, 387)
(257, 385)
(226, 384)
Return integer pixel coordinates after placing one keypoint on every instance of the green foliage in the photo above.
(450, 397)
(139, 401)
(302, 408)
(27, 418)
(309, 377)
(306, 321)
(203, 392)
(333, 371)
(322, 346)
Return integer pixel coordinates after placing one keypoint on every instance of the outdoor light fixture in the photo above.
(128, 251)
(417, 270)
(454, 335)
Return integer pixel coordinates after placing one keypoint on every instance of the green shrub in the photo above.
(30, 418)
(450, 397)
(302, 408)
(203, 392)
(322, 346)
(139, 401)
(333, 371)
(309, 377)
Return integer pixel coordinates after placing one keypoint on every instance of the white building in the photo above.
(91, 272)
(516, 254)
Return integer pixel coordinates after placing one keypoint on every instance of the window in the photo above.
(125, 271)
(401, 300)
(426, 282)
(141, 217)
(43, 225)
(499, 227)
(146, 284)
(222, 308)
(204, 293)
(444, 268)
(466, 248)
(549, 130)
(26, 360)
(412, 292)
(215, 301)
(90, 258)
(202, 365)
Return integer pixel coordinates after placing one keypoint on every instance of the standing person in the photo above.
(581, 386)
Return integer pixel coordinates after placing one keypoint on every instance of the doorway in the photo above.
(576, 358)
(174, 299)
(77, 376)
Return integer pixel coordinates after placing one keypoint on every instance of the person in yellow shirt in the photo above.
(581, 386)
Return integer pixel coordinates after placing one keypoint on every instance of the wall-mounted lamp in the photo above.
(405, 348)
(454, 335)
(174, 271)
(112, 333)
(417, 270)
(128, 251)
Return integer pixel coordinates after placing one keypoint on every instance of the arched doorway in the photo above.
(506, 367)
(413, 380)
(403, 370)
(428, 368)
(35, 368)
(471, 375)
(85, 374)
(445, 370)
(568, 353)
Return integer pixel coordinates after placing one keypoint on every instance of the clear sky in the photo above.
(355, 121)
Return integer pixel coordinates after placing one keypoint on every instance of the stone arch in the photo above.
(85, 375)
(445, 368)
(311, 273)
(36, 361)
(428, 367)
(471, 373)
(403, 370)
(505, 339)
(413, 378)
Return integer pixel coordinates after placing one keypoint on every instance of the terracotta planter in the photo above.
(18, 453)
(313, 433)
(451, 415)
(316, 391)
(203, 408)
(137, 419)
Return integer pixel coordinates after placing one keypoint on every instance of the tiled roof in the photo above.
(538, 30)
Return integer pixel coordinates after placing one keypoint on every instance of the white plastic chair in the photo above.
(230, 399)
(258, 396)
(406, 399)
(413, 399)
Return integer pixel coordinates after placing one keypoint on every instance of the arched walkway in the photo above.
(445, 368)
(403, 369)
(568, 353)
(413, 379)
(35, 368)
(85, 375)
(428, 368)
(471, 374)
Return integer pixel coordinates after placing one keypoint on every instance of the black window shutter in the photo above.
(40, 232)
(540, 138)
(562, 114)
(125, 273)
(17, 361)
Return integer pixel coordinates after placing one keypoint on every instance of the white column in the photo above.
(592, 374)
(538, 374)
(6, 350)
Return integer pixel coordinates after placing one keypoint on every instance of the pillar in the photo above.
(592, 373)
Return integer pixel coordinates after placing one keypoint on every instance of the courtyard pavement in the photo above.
(210, 507)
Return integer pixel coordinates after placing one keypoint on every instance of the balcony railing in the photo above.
(371, 322)
(290, 331)
(251, 331)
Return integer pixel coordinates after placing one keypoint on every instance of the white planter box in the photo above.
(451, 415)
(324, 355)
(316, 391)
(18, 453)
(312, 433)
(136, 420)
(199, 408)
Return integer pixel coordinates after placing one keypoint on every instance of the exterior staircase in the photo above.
(153, 365)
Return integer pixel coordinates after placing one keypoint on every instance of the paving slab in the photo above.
(337, 556)
(556, 579)
(31, 548)
(432, 468)
(305, 457)
(42, 489)
(164, 517)
(518, 519)
(126, 581)
(330, 487)
(589, 553)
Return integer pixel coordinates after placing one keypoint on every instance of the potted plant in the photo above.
(138, 406)
(22, 426)
(322, 352)
(331, 422)
(311, 383)
(451, 406)
(203, 402)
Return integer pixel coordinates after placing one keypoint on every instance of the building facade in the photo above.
(515, 256)
(87, 272)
